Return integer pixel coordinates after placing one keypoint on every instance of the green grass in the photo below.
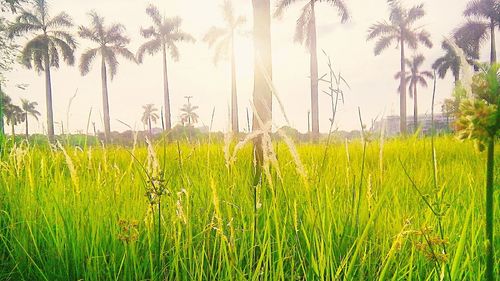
(88, 217)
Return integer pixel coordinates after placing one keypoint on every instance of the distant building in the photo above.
(442, 123)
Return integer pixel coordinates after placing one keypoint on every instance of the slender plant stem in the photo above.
(490, 253)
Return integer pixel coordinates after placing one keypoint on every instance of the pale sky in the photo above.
(373, 87)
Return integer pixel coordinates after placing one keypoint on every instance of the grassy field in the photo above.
(341, 213)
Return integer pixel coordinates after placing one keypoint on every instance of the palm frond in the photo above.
(427, 74)
(111, 61)
(66, 37)
(53, 54)
(214, 34)
(89, 34)
(415, 13)
(470, 37)
(182, 36)
(281, 7)
(20, 28)
(398, 14)
(124, 52)
(154, 13)
(66, 49)
(114, 35)
(425, 38)
(86, 60)
(383, 43)
(28, 17)
(342, 9)
(61, 20)
(481, 9)
(303, 26)
(151, 47)
(97, 23)
(149, 32)
(33, 53)
(174, 51)
(417, 61)
(381, 29)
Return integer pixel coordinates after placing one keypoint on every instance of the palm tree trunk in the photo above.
(234, 97)
(314, 76)
(415, 108)
(105, 101)
(262, 95)
(27, 125)
(149, 126)
(166, 93)
(13, 131)
(402, 97)
(493, 55)
(48, 99)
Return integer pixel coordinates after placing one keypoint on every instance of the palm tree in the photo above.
(14, 116)
(484, 17)
(111, 42)
(263, 69)
(305, 33)
(414, 78)
(29, 109)
(189, 114)
(449, 61)
(222, 38)
(149, 116)
(163, 35)
(50, 42)
(401, 31)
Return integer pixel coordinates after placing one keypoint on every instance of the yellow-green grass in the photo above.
(78, 214)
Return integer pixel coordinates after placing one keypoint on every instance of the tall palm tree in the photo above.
(149, 116)
(400, 30)
(263, 70)
(484, 18)
(413, 78)
(449, 61)
(163, 36)
(111, 42)
(49, 42)
(222, 38)
(29, 109)
(14, 116)
(305, 33)
(189, 114)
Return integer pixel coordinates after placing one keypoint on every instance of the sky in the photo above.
(371, 78)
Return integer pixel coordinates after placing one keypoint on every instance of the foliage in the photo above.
(10, 5)
(222, 38)
(449, 61)
(188, 114)
(111, 41)
(29, 108)
(478, 117)
(150, 114)
(50, 40)
(415, 77)
(165, 32)
(303, 30)
(475, 31)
